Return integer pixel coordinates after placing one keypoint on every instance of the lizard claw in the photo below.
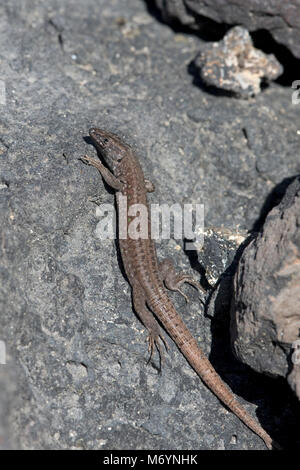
(155, 341)
(190, 280)
(151, 343)
(183, 295)
(86, 159)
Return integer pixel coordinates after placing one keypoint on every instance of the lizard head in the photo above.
(110, 146)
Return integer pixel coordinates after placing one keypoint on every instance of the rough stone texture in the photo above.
(76, 373)
(265, 314)
(280, 18)
(234, 65)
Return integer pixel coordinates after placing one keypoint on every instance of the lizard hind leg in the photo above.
(155, 336)
(174, 280)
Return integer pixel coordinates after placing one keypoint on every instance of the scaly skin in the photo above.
(147, 277)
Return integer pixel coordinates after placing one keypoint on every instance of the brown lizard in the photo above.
(148, 278)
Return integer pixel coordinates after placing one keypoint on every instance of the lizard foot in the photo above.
(155, 340)
(181, 279)
(89, 160)
(174, 280)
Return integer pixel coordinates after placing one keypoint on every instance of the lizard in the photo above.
(149, 278)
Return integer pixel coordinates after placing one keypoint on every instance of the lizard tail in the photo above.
(195, 356)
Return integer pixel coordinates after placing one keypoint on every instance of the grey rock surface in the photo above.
(234, 65)
(76, 373)
(280, 18)
(265, 311)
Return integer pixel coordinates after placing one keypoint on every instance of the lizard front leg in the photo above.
(155, 336)
(107, 175)
(174, 280)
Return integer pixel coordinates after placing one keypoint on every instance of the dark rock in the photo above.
(265, 311)
(233, 64)
(280, 18)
